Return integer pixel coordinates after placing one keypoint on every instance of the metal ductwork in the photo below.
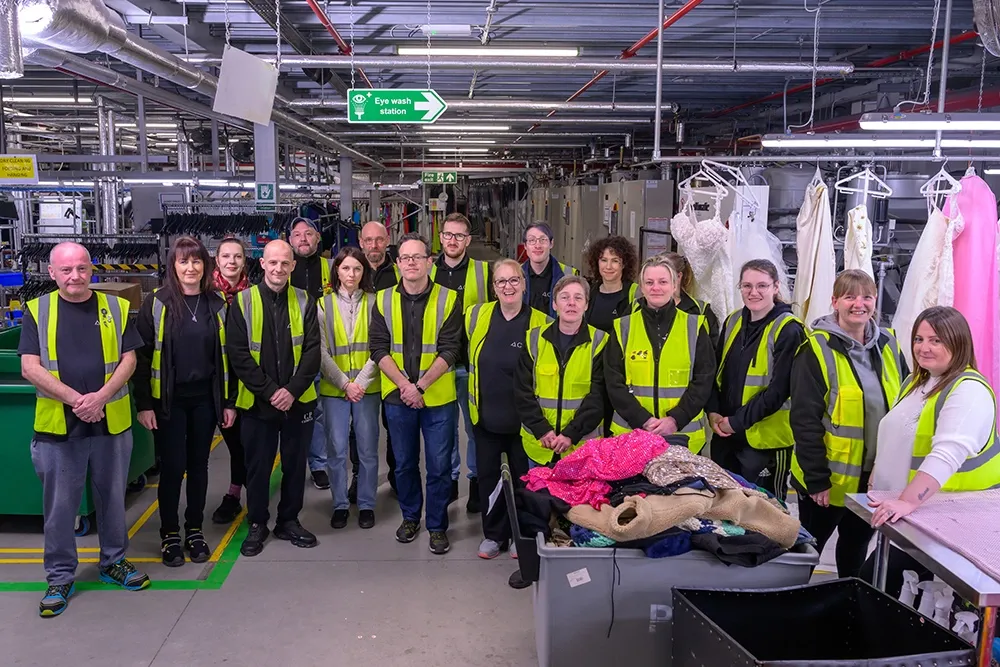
(11, 60)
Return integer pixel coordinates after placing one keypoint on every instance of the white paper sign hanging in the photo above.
(246, 87)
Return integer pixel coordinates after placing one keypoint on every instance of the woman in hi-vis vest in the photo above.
(941, 433)
(659, 365)
(749, 407)
(843, 381)
(349, 385)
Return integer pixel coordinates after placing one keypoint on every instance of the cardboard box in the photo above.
(131, 292)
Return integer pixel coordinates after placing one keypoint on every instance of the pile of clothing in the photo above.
(636, 491)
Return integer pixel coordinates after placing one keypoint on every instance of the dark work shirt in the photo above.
(605, 308)
(308, 274)
(81, 358)
(454, 278)
(194, 366)
(384, 276)
(565, 340)
(497, 361)
(541, 288)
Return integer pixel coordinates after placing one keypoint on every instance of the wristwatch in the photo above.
(419, 388)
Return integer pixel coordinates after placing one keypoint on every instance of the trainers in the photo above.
(253, 544)
(488, 549)
(339, 519)
(124, 574)
(517, 582)
(171, 552)
(352, 490)
(56, 600)
(513, 549)
(292, 531)
(439, 543)
(366, 519)
(196, 546)
(228, 510)
(454, 492)
(472, 506)
(320, 480)
(407, 531)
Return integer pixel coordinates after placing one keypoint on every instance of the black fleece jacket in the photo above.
(308, 274)
(809, 408)
(586, 420)
(276, 357)
(144, 362)
(384, 276)
(727, 397)
(658, 323)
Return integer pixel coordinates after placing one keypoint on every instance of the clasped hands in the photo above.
(661, 427)
(557, 443)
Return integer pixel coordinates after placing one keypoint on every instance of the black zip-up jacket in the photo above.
(591, 412)
(808, 393)
(276, 357)
(658, 324)
(449, 340)
(727, 397)
(143, 375)
(308, 274)
(384, 276)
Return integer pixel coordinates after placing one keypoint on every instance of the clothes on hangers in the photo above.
(858, 242)
(817, 266)
(706, 246)
(930, 278)
(749, 239)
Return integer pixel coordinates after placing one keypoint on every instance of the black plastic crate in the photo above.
(836, 623)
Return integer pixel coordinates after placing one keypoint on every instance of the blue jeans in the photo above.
(437, 425)
(462, 387)
(317, 447)
(366, 416)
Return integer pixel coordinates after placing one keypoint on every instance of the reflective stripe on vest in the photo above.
(50, 413)
(774, 431)
(977, 473)
(474, 290)
(349, 354)
(160, 325)
(252, 308)
(559, 395)
(440, 302)
(659, 383)
(844, 421)
(477, 323)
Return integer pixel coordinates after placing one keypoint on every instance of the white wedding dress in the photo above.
(705, 244)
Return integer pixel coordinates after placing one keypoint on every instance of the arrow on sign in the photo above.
(433, 105)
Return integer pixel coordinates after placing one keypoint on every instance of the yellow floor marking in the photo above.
(39, 561)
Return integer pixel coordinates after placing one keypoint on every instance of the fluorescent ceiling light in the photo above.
(461, 141)
(164, 126)
(458, 150)
(831, 141)
(41, 99)
(487, 52)
(466, 128)
(156, 181)
(992, 171)
(882, 122)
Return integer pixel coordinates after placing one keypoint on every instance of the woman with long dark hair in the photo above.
(181, 387)
(230, 278)
(349, 385)
(612, 262)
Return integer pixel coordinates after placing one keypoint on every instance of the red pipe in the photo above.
(344, 47)
(882, 62)
(629, 52)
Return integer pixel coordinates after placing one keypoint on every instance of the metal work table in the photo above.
(962, 575)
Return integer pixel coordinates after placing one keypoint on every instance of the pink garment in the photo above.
(581, 478)
(968, 523)
(977, 285)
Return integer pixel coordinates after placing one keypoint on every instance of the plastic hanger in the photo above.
(719, 190)
(868, 177)
(941, 183)
(746, 194)
(817, 179)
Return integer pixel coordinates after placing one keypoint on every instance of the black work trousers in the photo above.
(853, 533)
(767, 468)
(489, 447)
(237, 456)
(185, 443)
(390, 457)
(262, 438)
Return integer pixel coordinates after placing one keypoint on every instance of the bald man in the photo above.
(83, 419)
(380, 255)
(274, 350)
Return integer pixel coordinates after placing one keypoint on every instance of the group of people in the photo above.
(536, 359)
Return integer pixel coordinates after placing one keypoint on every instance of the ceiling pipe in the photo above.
(11, 61)
(875, 64)
(492, 105)
(343, 46)
(472, 120)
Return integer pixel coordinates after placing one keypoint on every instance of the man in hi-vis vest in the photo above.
(77, 350)
(415, 338)
(273, 343)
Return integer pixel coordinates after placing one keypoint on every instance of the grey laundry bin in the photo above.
(582, 593)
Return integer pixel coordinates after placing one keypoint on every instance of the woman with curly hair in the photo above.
(612, 263)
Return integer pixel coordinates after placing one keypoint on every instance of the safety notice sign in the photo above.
(18, 170)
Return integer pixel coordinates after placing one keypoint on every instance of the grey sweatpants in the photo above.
(62, 467)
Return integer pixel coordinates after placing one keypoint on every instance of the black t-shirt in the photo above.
(605, 309)
(80, 355)
(498, 358)
(541, 288)
(194, 347)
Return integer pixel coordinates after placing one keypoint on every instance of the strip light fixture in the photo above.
(461, 129)
(458, 150)
(488, 52)
(40, 99)
(831, 141)
(461, 141)
(916, 122)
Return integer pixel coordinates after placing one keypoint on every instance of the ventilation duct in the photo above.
(11, 63)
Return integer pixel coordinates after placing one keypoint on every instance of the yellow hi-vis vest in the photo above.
(253, 314)
(844, 420)
(978, 473)
(659, 383)
(476, 290)
(439, 305)
(324, 275)
(560, 392)
(774, 431)
(160, 322)
(477, 325)
(350, 354)
(50, 415)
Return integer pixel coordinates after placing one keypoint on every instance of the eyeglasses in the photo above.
(504, 282)
(448, 236)
(760, 287)
(406, 259)
(378, 240)
(536, 240)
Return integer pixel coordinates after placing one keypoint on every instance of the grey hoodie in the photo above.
(871, 384)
